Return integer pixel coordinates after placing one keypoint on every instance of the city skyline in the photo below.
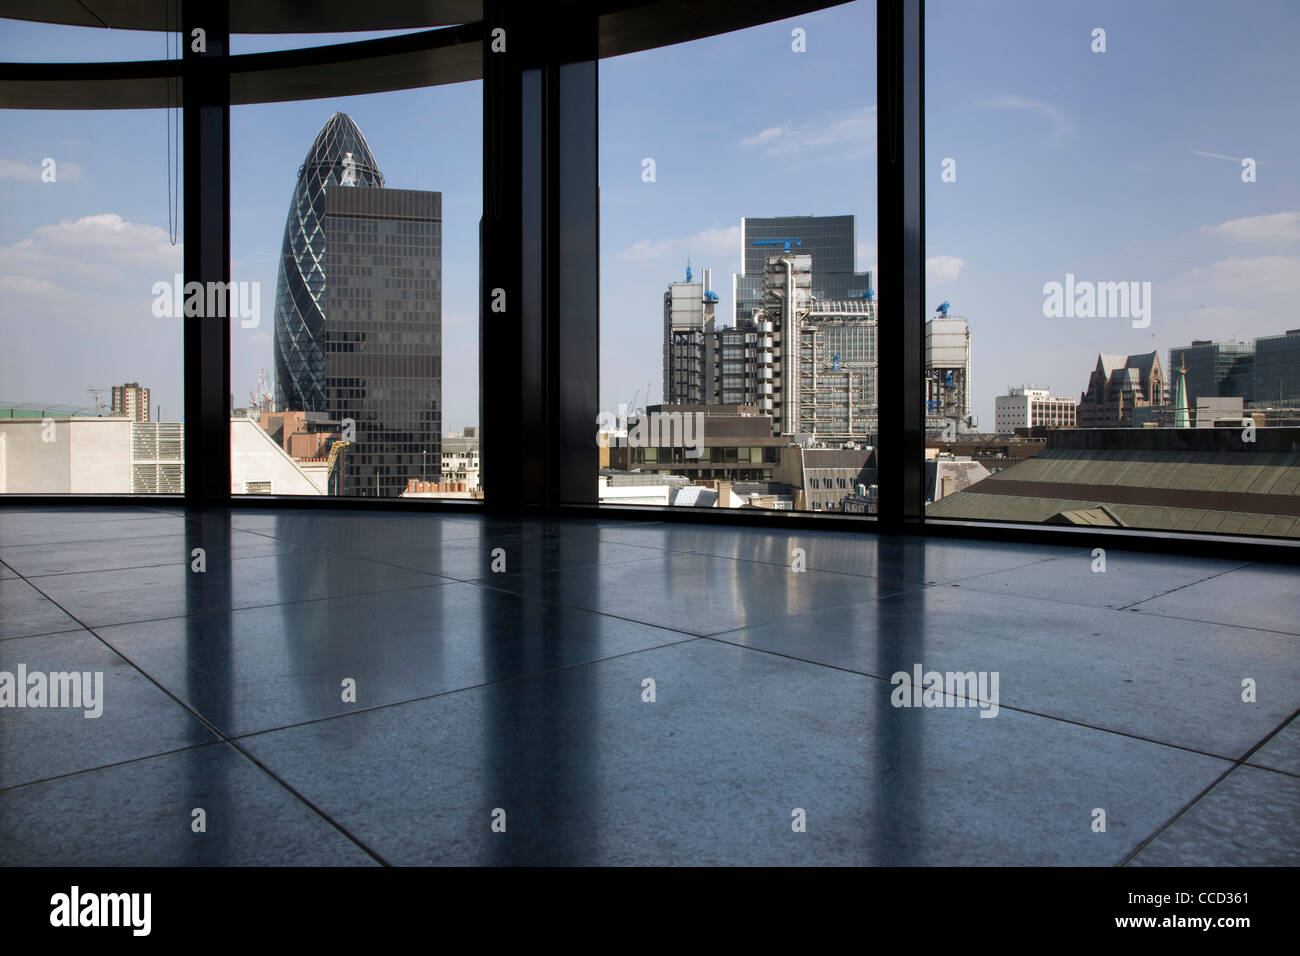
(1067, 161)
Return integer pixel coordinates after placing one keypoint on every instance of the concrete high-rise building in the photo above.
(358, 320)
(1027, 406)
(689, 340)
(831, 241)
(131, 401)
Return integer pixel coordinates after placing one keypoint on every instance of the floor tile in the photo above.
(475, 559)
(25, 611)
(713, 770)
(1164, 679)
(35, 560)
(1282, 751)
(51, 529)
(697, 594)
(136, 719)
(896, 559)
(141, 814)
(101, 598)
(1128, 578)
(268, 667)
(1252, 818)
(1261, 595)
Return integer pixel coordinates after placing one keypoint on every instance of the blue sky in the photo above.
(1115, 166)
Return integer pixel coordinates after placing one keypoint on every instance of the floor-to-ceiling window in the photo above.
(91, 242)
(738, 343)
(1113, 258)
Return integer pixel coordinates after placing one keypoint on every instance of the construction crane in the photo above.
(333, 461)
(631, 407)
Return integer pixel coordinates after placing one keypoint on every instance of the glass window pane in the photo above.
(1112, 265)
(737, 178)
(91, 398)
(356, 222)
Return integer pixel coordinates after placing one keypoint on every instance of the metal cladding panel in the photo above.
(946, 343)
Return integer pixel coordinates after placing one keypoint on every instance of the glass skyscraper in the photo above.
(830, 240)
(340, 155)
(358, 318)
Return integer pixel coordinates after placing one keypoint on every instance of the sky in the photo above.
(1115, 166)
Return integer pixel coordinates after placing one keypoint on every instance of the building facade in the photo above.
(1119, 384)
(460, 461)
(131, 401)
(383, 333)
(358, 319)
(340, 155)
(948, 372)
(689, 340)
(1215, 369)
(1027, 406)
(830, 241)
(1276, 372)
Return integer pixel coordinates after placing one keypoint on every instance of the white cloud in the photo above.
(767, 136)
(943, 268)
(78, 302)
(1054, 115)
(95, 253)
(1278, 227)
(849, 136)
(1266, 279)
(31, 172)
(712, 248)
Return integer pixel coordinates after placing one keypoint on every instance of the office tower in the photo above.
(1027, 406)
(358, 323)
(689, 340)
(829, 240)
(1276, 374)
(1215, 369)
(131, 401)
(340, 154)
(383, 333)
(1119, 384)
(948, 371)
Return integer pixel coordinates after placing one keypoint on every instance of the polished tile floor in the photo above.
(346, 687)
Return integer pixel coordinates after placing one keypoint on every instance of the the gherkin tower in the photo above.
(340, 156)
